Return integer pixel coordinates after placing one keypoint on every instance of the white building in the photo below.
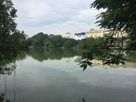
(68, 35)
(79, 36)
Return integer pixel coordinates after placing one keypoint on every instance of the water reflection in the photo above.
(51, 53)
(49, 75)
(113, 61)
(8, 67)
(131, 56)
(5, 71)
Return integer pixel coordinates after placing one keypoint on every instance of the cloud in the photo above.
(58, 16)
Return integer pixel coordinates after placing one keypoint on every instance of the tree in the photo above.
(69, 42)
(11, 40)
(7, 15)
(7, 30)
(38, 39)
(55, 41)
(19, 37)
(120, 15)
(91, 48)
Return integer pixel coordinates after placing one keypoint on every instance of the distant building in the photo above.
(68, 35)
(95, 33)
(99, 33)
(51, 35)
(79, 36)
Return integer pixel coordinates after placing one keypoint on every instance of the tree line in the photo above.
(44, 40)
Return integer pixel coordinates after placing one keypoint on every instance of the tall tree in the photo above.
(7, 30)
(7, 15)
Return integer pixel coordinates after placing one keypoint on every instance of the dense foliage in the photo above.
(55, 41)
(69, 42)
(131, 56)
(91, 47)
(42, 54)
(120, 15)
(44, 40)
(37, 40)
(10, 39)
(120, 20)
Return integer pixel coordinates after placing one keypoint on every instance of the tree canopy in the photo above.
(10, 38)
(69, 42)
(7, 15)
(119, 15)
(7, 27)
(58, 41)
(55, 41)
(38, 39)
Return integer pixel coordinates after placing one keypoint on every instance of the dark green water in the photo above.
(52, 75)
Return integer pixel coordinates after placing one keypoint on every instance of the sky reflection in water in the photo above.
(53, 80)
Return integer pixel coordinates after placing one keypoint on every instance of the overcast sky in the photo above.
(55, 16)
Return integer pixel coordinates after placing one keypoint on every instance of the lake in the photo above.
(52, 75)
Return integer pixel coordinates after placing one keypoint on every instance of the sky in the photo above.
(55, 16)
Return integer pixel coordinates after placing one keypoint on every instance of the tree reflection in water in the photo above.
(44, 54)
(6, 70)
(8, 67)
(83, 100)
(106, 59)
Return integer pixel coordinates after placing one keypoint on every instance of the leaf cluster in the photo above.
(11, 40)
(120, 15)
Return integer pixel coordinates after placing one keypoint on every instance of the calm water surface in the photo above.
(52, 75)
